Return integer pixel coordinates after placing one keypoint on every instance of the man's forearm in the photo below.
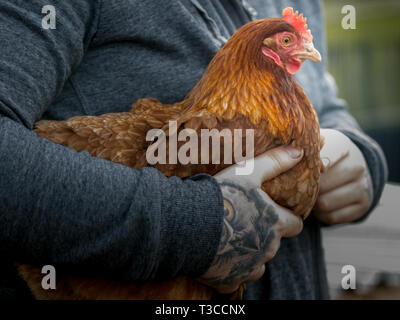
(58, 206)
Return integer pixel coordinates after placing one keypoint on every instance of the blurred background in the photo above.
(366, 65)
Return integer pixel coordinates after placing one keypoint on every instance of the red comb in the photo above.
(298, 22)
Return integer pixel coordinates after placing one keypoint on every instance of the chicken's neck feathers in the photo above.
(228, 89)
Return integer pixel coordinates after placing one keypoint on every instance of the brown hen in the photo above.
(249, 84)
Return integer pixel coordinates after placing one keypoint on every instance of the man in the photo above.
(69, 209)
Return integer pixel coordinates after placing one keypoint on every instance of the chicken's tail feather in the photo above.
(56, 131)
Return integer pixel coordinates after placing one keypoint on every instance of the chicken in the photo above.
(249, 84)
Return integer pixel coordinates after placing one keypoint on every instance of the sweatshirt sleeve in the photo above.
(61, 207)
(334, 115)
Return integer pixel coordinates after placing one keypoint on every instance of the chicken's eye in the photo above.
(286, 41)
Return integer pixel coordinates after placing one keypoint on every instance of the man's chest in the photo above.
(142, 49)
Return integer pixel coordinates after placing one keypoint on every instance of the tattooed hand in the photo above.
(253, 223)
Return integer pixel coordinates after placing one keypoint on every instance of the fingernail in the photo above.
(326, 162)
(294, 152)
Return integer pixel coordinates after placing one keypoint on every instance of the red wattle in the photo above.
(293, 66)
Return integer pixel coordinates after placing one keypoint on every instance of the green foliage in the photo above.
(366, 61)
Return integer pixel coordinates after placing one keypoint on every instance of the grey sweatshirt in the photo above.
(74, 211)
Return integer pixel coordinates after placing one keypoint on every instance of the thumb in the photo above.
(334, 148)
(274, 162)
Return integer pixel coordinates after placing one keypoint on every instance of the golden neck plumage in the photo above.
(232, 85)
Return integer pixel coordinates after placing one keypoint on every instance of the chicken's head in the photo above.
(289, 48)
(258, 51)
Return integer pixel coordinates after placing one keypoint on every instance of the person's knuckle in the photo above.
(271, 254)
(365, 187)
(279, 228)
(257, 273)
(361, 188)
(299, 226)
(288, 224)
(281, 225)
(331, 219)
(272, 250)
(364, 204)
(359, 169)
(323, 204)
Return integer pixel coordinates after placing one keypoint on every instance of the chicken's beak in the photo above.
(310, 53)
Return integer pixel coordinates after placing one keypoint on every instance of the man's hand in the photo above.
(253, 223)
(345, 187)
